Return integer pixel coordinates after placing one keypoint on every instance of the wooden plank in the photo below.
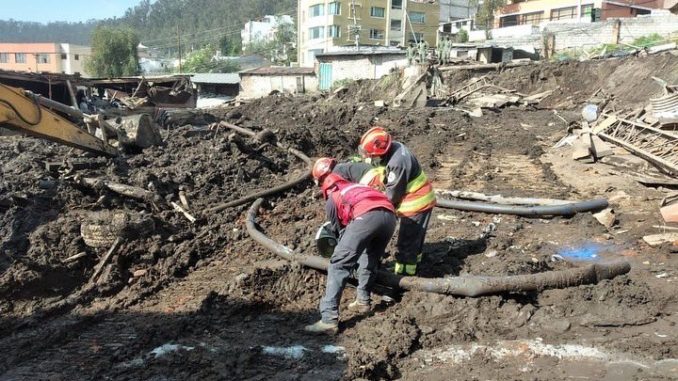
(599, 148)
(655, 240)
(604, 124)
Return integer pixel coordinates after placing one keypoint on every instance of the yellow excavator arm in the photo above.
(22, 113)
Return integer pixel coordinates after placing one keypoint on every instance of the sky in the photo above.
(63, 10)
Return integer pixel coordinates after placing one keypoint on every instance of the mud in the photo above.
(203, 301)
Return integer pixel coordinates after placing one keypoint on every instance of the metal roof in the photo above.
(216, 78)
(280, 70)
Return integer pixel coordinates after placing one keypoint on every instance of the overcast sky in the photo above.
(63, 10)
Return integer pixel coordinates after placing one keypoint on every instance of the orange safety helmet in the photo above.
(323, 167)
(375, 142)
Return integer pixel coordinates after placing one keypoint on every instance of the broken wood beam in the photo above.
(122, 189)
(106, 258)
(183, 211)
(499, 199)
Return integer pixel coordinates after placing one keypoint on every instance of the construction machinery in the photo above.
(33, 115)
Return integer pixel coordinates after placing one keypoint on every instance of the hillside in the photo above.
(198, 22)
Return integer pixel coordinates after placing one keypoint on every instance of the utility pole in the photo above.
(356, 30)
(579, 11)
(179, 41)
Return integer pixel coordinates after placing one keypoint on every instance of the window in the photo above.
(564, 13)
(376, 34)
(397, 4)
(396, 25)
(587, 12)
(4, 57)
(532, 18)
(334, 31)
(43, 58)
(316, 33)
(417, 17)
(20, 57)
(334, 8)
(77, 57)
(418, 36)
(377, 12)
(64, 56)
(316, 10)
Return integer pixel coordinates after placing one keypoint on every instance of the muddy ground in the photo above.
(204, 301)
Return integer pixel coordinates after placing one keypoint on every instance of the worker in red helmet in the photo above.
(364, 220)
(408, 188)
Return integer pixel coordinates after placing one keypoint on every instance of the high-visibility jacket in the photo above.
(406, 184)
(374, 177)
(354, 200)
(419, 196)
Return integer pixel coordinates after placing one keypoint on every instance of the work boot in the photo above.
(360, 306)
(405, 269)
(321, 327)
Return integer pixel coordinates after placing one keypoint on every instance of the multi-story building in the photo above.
(262, 30)
(327, 24)
(521, 12)
(44, 57)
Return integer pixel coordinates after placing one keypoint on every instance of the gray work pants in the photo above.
(411, 237)
(362, 244)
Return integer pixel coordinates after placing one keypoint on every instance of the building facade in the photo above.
(534, 12)
(44, 57)
(262, 30)
(327, 24)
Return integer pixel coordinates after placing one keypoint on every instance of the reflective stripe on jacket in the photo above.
(354, 200)
(419, 197)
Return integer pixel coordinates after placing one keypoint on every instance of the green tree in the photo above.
(204, 61)
(485, 15)
(114, 52)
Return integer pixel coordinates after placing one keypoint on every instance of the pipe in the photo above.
(280, 188)
(525, 211)
(470, 286)
(72, 112)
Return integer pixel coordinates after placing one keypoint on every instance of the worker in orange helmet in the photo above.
(408, 188)
(364, 220)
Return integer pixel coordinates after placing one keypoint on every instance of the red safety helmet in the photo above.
(375, 142)
(323, 167)
(329, 182)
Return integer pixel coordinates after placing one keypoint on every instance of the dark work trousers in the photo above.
(411, 237)
(362, 245)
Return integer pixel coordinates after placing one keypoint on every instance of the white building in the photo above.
(264, 30)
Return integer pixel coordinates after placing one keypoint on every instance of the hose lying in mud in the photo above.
(265, 135)
(460, 286)
(525, 211)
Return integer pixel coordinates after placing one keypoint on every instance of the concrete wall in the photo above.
(364, 66)
(257, 86)
(75, 56)
(587, 35)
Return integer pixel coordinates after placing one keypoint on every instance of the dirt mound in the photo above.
(202, 300)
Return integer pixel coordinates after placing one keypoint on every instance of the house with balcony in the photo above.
(326, 25)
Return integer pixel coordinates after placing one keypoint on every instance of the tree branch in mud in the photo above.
(462, 286)
(264, 136)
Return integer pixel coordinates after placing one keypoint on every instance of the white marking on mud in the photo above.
(294, 352)
(333, 349)
(530, 349)
(169, 348)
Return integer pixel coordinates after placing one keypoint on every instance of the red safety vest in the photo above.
(354, 200)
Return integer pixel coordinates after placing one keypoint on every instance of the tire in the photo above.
(102, 229)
